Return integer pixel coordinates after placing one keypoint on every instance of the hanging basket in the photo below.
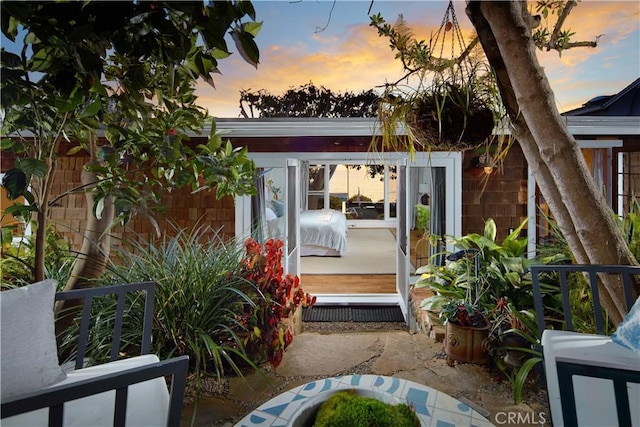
(448, 125)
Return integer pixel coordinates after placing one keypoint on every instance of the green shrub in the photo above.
(335, 203)
(17, 260)
(220, 302)
(200, 295)
(363, 198)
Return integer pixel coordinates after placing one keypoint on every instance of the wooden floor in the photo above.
(348, 283)
(353, 283)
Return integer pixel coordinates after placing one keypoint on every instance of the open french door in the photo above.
(403, 257)
(292, 218)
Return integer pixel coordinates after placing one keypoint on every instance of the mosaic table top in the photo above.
(434, 408)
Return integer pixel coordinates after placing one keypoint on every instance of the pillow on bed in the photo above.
(29, 356)
(278, 207)
(271, 215)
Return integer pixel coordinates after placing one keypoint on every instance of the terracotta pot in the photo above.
(466, 344)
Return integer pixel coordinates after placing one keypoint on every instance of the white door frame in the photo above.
(292, 217)
(452, 161)
(532, 208)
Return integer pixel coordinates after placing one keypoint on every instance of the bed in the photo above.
(322, 232)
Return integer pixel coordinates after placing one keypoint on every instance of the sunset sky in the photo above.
(348, 55)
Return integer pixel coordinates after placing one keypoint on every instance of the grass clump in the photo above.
(348, 409)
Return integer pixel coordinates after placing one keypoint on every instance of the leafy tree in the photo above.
(509, 35)
(116, 80)
(309, 101)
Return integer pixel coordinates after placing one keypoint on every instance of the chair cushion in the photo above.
(28, 352)
(147, 402)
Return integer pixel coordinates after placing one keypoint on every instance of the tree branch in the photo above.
(560, 22)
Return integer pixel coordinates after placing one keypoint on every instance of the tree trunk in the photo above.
(92, 260)
(43, 217)
(581, 211)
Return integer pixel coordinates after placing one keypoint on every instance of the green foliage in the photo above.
(581, 303)
(363, 198)
(276, 296)
(103, 66)
(17, 260)
(348, 409)
(515, 347)
(550, 35)
(200, 295)
(220, 302)
(308, 101)
(492, 279)
(335, 203)
(502, 270)
(423, 214)
(630, 225)
(455, 103)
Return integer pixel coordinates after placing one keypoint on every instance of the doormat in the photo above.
(370, 313)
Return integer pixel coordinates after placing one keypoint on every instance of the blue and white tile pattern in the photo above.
(434, 408)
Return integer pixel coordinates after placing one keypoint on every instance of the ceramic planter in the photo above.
(466, 344)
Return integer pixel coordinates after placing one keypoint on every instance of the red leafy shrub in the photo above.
(276, 296)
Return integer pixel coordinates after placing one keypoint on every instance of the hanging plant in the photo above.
(451, 116)
(455, 105)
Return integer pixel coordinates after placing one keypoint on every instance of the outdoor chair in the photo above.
(591, 378)
(36, 391)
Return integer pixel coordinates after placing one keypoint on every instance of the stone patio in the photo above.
(411, 356)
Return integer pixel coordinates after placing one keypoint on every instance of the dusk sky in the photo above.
(348, 55)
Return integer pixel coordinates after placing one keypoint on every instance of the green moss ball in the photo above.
(348, 409)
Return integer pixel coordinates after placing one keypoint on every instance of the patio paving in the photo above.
(399, 353)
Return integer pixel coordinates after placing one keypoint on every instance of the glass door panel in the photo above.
(292, 218)
(402, 234)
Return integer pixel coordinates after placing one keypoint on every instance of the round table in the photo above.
(434, 408)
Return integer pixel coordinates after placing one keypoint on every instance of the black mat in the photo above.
(370, 313)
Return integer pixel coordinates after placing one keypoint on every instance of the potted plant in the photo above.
(458, 290)
(466, 333)
(468, 286)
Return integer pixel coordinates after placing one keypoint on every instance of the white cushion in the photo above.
(147, 402)
(29, 356)
(594, 397)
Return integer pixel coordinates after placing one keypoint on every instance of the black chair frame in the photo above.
(54, 397)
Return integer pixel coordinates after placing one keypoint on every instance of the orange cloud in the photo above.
(358, 59)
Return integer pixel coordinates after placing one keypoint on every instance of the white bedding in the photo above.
(325, 228)
(322, 232)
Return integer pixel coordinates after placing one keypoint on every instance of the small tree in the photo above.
(117, 80)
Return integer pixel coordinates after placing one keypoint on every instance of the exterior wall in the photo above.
(502, 195)
(69, 213)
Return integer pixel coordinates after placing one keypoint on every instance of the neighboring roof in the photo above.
(623, 104)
